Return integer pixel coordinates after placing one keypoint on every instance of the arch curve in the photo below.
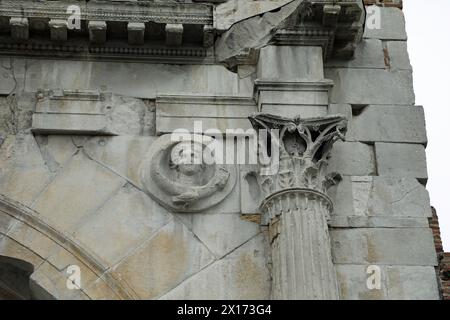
(26, 237)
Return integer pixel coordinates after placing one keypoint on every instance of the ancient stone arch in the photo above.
(47, 253)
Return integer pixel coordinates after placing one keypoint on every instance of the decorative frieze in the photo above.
(334, 26)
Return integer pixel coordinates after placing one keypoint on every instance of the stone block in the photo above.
(243, 274)
(412, 283)
(56, 150)
(371, 86)
(368, 55)
(352, 281)
(390, 124)
(12, 249)
(391, 24)
(6, 222)
(302, 94)
(55, 282)
(115, 153)
(100, 290)
(132, 79)
(223, 233)
(208, 112)
(9, 81)
(121, 225)
(396, 283)
(353, 159)
(382, 196)
(394, 159)
(78, 190)
(85, 113)
(376, 222)
(63, 123)
(398, 55)
(23, 173)
(32, 239)
(290, 62)
(401, 246)
(291, 111)
(168, 258)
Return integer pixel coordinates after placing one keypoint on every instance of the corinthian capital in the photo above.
(299, 150)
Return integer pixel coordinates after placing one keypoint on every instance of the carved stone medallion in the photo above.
(176, 175)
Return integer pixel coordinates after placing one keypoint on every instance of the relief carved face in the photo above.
(179, 176)
(187, 159)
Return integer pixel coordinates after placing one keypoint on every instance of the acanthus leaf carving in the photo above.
(304, 146)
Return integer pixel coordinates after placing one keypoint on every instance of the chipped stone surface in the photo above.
(352, 158)
(381, 196)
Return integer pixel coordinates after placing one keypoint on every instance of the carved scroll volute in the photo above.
(304, 146)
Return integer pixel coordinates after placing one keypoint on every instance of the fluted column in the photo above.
(297, 207)
(300, 246)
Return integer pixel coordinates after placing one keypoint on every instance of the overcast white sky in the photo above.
(428, 26)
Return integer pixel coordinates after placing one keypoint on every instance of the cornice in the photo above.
(183, 32)
(135, 11)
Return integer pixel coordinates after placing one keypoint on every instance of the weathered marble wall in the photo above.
(77, 198)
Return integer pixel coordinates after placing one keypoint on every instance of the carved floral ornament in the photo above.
(175, 174)
(304, 146)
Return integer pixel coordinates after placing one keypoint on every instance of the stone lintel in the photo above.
(97, 31)
(136, 33)
(19, 28)
(174, 34)
(58, 29)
